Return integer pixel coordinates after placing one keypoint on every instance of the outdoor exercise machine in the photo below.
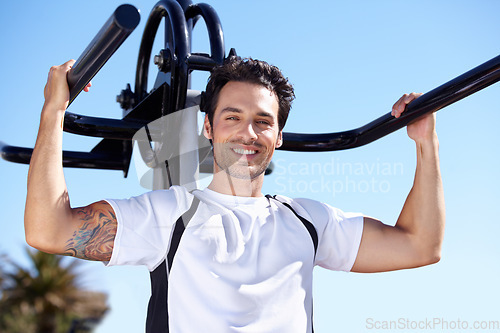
(171, 93)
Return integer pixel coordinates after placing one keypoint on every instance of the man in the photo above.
(245, 261)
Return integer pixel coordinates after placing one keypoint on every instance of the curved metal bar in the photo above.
(214, 28)
(201, 62)
(121, 129)
(111, 36)
(15, 154)
(101, 127)
(446, 94)
(177, 41)
(462, 86)
(178, 26)
(185, 4)
(190, 23)
(71, 159)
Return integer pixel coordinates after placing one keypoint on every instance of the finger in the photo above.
(69, 63)
(66, 67)
(411, 97)
(57, 71)
(56, 78)
(407, 99)
(395, 107)
(399, 106)
(87, 87)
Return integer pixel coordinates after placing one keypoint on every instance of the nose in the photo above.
(248, 132)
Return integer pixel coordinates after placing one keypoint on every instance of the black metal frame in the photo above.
(460, 87)
(177, 61)
(112, 34)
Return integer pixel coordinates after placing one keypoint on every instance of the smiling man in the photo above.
(227, 258)
(244, 130)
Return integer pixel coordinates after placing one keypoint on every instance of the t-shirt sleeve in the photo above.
(145, 224)
(339, 235)
(339, 242)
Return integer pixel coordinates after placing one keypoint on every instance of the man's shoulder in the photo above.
(168, 204)
(175, 194)
(179, 195)
(310, 209)
(299, 201)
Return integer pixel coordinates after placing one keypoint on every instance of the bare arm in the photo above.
(94, 237)
(51, 225)
(416, 238)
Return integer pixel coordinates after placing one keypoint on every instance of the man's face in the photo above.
(245, 129)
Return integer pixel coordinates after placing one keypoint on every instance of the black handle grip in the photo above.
(112, 34)
(454, 90)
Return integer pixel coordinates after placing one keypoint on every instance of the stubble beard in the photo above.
(239, 168)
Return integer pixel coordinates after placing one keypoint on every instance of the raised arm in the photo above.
(416, 238)
(51, 225)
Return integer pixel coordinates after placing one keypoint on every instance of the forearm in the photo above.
(47, 203)
(423, 214)
(416, 238)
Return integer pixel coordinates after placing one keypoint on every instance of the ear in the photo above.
(207, 129)
(279, 140)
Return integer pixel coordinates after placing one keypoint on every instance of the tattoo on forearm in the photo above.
(95, 236)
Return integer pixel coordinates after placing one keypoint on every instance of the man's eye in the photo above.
(231, 118)
(265, 122)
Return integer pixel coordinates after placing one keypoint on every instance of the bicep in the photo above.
(385, 248)
(94, 232)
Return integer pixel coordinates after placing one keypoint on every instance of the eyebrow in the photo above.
(236, 110)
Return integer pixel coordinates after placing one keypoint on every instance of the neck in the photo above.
(223, 183)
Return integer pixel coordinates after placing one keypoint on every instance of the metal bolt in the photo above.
(158, 60)
(126, 98)
(163, 60)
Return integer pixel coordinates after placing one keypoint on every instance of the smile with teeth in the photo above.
(244, 151)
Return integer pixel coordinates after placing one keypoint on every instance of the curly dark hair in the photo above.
(251, 71)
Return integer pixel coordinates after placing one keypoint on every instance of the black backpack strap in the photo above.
(309, 226)
(180, 226)
(157, 318)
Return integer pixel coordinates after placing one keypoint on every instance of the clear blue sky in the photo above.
(349, 62)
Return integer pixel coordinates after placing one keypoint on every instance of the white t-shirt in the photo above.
(243, 264)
